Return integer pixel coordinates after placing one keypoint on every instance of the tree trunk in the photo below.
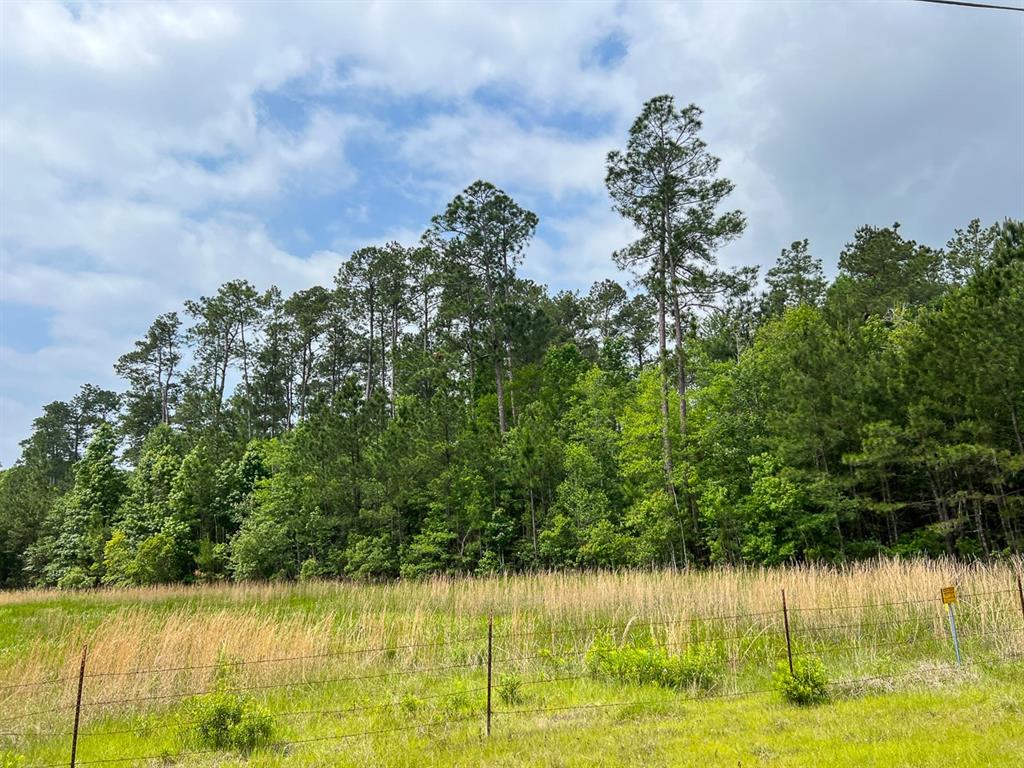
(1016, 425)
(369, 357)
(680, 352)
(511, 388)
(394, 358)
(499, 385)
(940, 505)
(383, 353)
(248, 389)
(426, 320)
(666, 442)
(533, 523)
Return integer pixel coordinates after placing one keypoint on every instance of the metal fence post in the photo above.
(948, 599)
(789, 642)
(1020, 594)
(78, 707)
(490, 662)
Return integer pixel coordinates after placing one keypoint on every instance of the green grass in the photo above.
(975, 721)
(906, 704)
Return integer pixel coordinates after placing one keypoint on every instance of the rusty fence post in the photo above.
(789, 642)
(78, 707)
(490, 664)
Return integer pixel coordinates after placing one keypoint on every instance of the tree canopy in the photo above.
(433, 411)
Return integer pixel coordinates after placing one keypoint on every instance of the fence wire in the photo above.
(802, 639)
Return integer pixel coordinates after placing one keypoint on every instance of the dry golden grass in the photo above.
(569, 595)
(167, 628)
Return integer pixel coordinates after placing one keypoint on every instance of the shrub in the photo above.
(410, 703)
(370, 557)
(118, 560)
(808, 685)
(75, 578)
(312, 569)
(211, 560)
(163, 557)
(261, 549)
(160, 558)
(459, 703)
(510, 690)
(430, 551)
(699, 666)
(223, 721)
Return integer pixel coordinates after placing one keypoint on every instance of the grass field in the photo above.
(396, 674)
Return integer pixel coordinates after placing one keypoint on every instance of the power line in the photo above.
(986, 6)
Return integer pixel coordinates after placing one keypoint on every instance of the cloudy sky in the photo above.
(149, 151)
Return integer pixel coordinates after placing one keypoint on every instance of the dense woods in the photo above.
(434, 411)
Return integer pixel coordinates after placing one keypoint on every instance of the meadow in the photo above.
(396, 674)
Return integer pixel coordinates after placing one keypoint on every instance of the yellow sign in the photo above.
(948, 595)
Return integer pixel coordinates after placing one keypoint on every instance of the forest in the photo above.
(433, 411)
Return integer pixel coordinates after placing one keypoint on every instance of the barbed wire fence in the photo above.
(787, 626)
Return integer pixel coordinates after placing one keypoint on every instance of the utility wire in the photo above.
(965, 4)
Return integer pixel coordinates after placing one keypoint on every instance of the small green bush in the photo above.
(807, 686)
(510, 690)
(11, 759)
(224, 721)
(699, 666)
(211, 561)
(312, 569)
(75, 578)
(459, 703)
(410, 703)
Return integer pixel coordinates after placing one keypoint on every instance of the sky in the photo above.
(151, 151)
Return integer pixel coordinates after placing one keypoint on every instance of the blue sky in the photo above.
(151, 151)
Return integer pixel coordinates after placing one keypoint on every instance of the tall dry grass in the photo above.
(183, 632)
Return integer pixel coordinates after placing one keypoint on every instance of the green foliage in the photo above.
(25, 498)
(430, 551)
(211, 560)
(806, 686)
(699, 667)
(369, 557)
(433, 412)
(118, 560)
(75, 577)
(163, 557)
(312, 569)
(261, 549)
(510, 690)
(70, 554)
(221, 720)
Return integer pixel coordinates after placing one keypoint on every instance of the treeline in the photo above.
(434, 411)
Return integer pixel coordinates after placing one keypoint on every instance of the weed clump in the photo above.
(698, 667)
(510, 690)
(223, 721)
(806, 686)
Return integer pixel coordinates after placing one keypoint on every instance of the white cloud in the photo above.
(138, 163)
(574, 251)
(476, 143)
